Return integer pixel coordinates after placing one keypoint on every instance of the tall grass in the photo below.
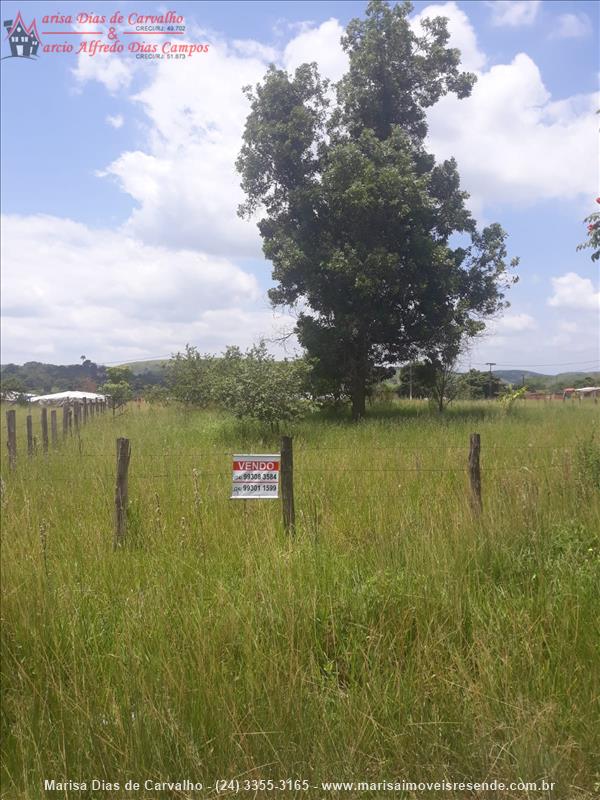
(395, 636)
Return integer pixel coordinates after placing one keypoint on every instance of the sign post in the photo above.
(256, 477)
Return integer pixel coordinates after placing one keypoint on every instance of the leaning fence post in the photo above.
(475, 472)
(45, 430)
(53, 427)
(29, 435)
(287, 484)
(11, 439)
(123, 456)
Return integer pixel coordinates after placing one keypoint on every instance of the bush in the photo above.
(254, 385)
(191, 377)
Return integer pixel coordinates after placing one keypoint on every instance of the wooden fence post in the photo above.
(70, 420)
(11, 440)
(85, 410)
(29, 435)
(45, 430)
(76, 411)
(53, 427)
(65, 419)
(287, 484)
(123, 456)
(475, 472)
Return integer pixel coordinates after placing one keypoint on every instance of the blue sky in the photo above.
(119, 232)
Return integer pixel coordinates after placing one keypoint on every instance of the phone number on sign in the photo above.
(256, 476)
(256, 488)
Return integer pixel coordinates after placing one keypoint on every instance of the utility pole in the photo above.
(410, 381)
(490, 364)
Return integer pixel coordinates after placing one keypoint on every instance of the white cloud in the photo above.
(115, 121)
(515, 323)
(106, 293)
(512, 142)
(462, 33)
(320, 44)
(253, 49)
(568, 327)
(573, 291)
(514, 13)
(572, 26)
(112, 72)
(184, 180)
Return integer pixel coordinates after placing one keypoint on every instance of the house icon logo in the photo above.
(23, 40)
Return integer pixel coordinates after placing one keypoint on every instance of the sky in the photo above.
(120, 238)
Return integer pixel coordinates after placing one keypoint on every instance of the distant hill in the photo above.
(564, 379)
(140, 367)
(516, 375)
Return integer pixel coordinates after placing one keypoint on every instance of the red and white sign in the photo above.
(256, 477)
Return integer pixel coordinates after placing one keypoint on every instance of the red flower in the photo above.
(598, 199)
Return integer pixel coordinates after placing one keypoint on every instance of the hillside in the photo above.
(155, 367)
(563, 379)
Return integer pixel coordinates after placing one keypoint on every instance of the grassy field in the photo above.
(395, 637)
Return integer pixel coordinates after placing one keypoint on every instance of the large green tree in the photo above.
(355, 214)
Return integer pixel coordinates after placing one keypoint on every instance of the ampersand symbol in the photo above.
(112, 33)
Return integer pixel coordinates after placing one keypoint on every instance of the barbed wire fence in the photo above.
(213, 462)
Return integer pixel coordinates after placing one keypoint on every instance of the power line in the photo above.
(137, 360)
(526, 366)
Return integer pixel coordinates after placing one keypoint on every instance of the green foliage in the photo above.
(39, 378)
(593, 234)
(509, 399)
(118, 386)
(358, 216)
(157, 395)
(253, 385)
(119, 393)
(475, 385)
(119, 375)
(12, 387)
(434, 378)
(190, 377)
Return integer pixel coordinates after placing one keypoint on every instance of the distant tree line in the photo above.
(35, 377)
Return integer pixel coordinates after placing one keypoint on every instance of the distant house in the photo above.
(24, 41)
(585, 391)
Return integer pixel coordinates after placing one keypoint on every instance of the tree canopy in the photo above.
(356, 216)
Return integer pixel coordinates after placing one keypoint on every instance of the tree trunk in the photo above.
(359, 389)
(358, 402)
